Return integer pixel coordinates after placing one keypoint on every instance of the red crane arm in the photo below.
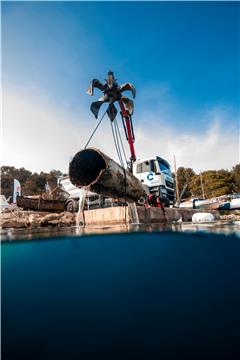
(128, 127)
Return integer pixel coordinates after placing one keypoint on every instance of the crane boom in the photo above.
(128, 128)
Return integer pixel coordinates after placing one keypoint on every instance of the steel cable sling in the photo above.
(95, 130)
(117, 139)
(119, 135)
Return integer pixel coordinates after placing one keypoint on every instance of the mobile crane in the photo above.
(154, 173)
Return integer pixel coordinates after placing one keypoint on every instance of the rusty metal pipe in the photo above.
(102, 175)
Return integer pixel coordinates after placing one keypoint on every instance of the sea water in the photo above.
(79, 230)
(151, 295)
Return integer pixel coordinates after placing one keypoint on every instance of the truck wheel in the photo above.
(72, 206)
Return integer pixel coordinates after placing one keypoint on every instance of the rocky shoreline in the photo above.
(18, 218)
(231, 217)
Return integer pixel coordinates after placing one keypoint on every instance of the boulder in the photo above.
(14, 219)
(7, 216)
(53, 222)
(68, 215)
(66, 222)
(202, 217)
(15, 223)
(34, 220)
(67, 219)
(50, 219)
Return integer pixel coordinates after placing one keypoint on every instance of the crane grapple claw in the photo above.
(95, 107)
(111, 92)
(112, 112)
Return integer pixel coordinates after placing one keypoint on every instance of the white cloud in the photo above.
(40, 137)
(217, 147)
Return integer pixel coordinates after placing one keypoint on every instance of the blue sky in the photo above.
(182, 57)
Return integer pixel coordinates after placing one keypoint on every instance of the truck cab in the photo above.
(155, 174)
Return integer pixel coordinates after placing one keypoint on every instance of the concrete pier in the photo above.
(123, 215)
(117, 215)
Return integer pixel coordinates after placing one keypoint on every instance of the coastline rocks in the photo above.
(14, 223)
(50, 219)
(67, 219)
(25, 219)
(14, 219)
(34, 220)
(230, 217)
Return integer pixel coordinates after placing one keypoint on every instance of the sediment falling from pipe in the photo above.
(102, 175)
(134, 214)
(80, 215)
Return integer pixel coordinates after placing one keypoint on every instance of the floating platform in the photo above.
(140, 214)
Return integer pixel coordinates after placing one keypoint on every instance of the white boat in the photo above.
(197, 203)
(235, 204)
(212, 204)
(189, 204)
(224, 202)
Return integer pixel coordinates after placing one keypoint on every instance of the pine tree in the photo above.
(214, 183)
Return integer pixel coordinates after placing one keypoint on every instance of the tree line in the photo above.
(211, 183)
(31, 183)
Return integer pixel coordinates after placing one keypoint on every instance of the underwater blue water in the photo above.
(122, 296)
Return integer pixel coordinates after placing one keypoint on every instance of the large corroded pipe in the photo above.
(102, 175)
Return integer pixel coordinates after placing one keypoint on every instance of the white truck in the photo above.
(155, 174)
(92, 199)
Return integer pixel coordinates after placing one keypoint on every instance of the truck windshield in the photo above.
(164, 167)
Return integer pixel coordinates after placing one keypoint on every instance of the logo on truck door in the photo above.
(150, 176)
